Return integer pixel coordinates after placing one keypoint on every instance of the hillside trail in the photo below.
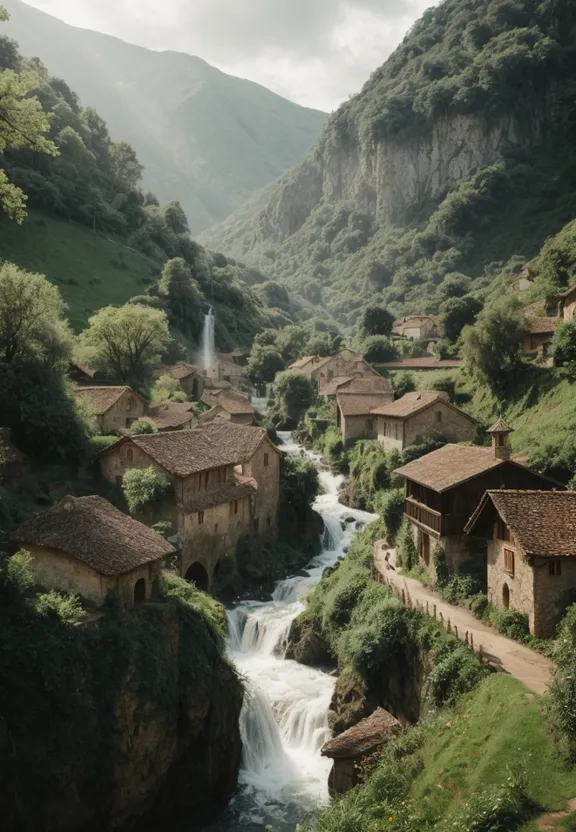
(550, 819)
(529, 667)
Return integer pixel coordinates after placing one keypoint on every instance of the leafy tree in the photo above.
(403, 382)
(454, 286)
(176, 218)
(564, 346)
(319, 345)
(267, 338)
(292, 395)
(124, 342)
(375, 320)
(166, 388)
(143, 486)
(142, 426)
(379, 348)
(264, 364)
(299, 481)
(561, 712)
(32, 322)
(23, 123)
(492, 347)
(184, 300)
(458, 312)
(291, 342)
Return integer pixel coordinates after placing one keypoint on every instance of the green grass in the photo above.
(426, 378)
(90, 270)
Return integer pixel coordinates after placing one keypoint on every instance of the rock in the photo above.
(307, 646)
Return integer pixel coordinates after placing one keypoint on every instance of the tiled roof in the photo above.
(542, 522)
(413, 403)
(310, 362)
(167, 415)
(183, 370)
(427, 363)
(187, 452)
(91, 530)
(102, 398)
(370, 384)
(301, 362)
(331, 387)
(368, 734)
(84, 369)
(500, 426)
(542, 326)
(449, 466)
(235, 404)
(234, 490)
(359, 405)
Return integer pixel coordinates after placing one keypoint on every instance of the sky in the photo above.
(314, 52)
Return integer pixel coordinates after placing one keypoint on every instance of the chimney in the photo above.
(500, 433)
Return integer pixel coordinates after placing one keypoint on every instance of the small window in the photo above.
(130, 455)
(266, 460)
(130, 422)
(206, 479)
(438, 415)
(268, 522)
(397, 430)
(368, 424)
(235, 504)
(509, 561)
(330, 375)
(502, 530)
(131, 402)
(200, 517)
(555, 567)
(215, 528)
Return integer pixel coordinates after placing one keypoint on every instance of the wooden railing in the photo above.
(423, 515)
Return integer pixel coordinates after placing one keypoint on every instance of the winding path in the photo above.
(529, 667)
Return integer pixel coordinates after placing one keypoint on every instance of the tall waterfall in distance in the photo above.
(208, 340)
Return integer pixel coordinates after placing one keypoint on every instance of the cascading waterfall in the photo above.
(284, 719)
(209, 340)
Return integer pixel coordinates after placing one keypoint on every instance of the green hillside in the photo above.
(90, 270)
(205, 138)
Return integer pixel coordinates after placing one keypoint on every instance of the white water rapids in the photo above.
(284, 718)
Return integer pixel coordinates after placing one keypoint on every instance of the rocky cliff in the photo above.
(429, 169)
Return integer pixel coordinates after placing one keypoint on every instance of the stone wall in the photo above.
(264, 467)
(439, 418)
(520, 585)
(127, 409)
(553, 593)
(358, 427)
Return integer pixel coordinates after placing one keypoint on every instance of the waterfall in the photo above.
(209, 340)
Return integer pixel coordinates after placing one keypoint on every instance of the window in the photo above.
(235, 504)
(502, 530)
(397, 430)
(369, 425)
(130, 455)
(130, 422)
(438, 415)
(266, 460)
(200, 517)
(509, 561)
(215, 528)
(206, 479)
(330, 375)
(130, 403)
(555, 567)
(119, 482)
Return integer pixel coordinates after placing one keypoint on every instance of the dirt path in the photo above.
(548, 821)
(528, 667)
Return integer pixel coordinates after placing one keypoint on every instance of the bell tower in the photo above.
(500, 432)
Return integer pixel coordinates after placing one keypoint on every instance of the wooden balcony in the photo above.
(427, 518)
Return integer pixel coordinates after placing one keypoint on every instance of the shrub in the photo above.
(510, 623)
(142, 426)
(333, 446)
(66, 607)
(496, 807)
(407, 553)
(380, 476)
(391, 509)
(97, 444)
(456, 671)
(561, 712)
(440, 565)
(20, 570)
(403, 383)
(145, 486)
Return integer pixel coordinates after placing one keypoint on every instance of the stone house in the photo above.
(225, 369)
(166, 416)
(323, 370)
(409, 420)
(567, 304)
(86, 546)
(531, 553)
(231, 405)
(539, 334)
(353, 746)
(444, 488)
(416, 327)
(80, 373)
(14, 465)
(190, 376)
(116, 408)
(226, 481)
(359, 385)
(354, 414)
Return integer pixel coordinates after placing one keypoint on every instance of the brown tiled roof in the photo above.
(500, 426)
(370, 384)
(234, 490)
(449, 466)
(427, 363)
(413, 403)
(331, 387)
(235, 404)
(103, 398)
(301, 362)
(87, 371)
(542, 522)
(358, 404)
(183, 370)
(91, 530)
(542, 326)
(310, 362)
(166, 415)
(219, 396)
(368, 734)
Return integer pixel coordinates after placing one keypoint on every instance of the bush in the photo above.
(391, 509)
(497, 807)
(66, 607)
(455, 672)
(407, 553)
(333, 446)
(403, 382)
(145, 486)
(561, 712)
(510, 623)
(142, 426)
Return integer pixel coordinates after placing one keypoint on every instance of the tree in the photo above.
(143, 486)
(291, 341)
(491, 348)
(264, 364)
(124, 342)
(564, 347)
(456, 313)
(403, 383)
(319, 345)
(184, 299)
(266, 338)
(375, 320)
(23, 123)
(175, 217)
(143, 426)
(379, 348)
(32, 322)
(292, 395)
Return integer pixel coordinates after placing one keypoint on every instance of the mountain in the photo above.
(452, 165)
(205, 138)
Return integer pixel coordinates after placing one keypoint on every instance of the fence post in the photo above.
(434, 610)
(403, 597)
(441, 618)
(455, 630)
(466, 637)
(449, 626)
(427, 608)
(472, 641)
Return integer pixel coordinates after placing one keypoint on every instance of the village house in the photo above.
(84, 545)
(416, 327)
(116, 408)
(409, 420)
(231, 405)
(567, 304)
(359, 385)
(539, 334)
(323, 370)
(224, 369)
(169, 415)
(444, 488)
(226, 482)
(14, 465)
(428, 362)
(190, 376)
(356, 744)
(531, 553)
(354, 414)
(80, 373)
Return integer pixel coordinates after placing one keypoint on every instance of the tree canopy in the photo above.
(292, 395)
(379, 348)
(375, 320)
(264, 364)
(492, 347)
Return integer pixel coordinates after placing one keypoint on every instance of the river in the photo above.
(284, 718)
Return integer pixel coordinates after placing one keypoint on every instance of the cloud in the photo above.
(316, 52)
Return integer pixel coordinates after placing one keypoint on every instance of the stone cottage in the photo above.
(359, 385)
(323, 370)
(531, 553)
(539, 334)
(86, 546)
(226, 481)
(116, 408)
(444, 488)
(14, 465)
(409, 420)
(224, 369)
(230, 405)
(354, 414)
(416, 327)
(353, 746)
(169, 415)
(190, 376)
